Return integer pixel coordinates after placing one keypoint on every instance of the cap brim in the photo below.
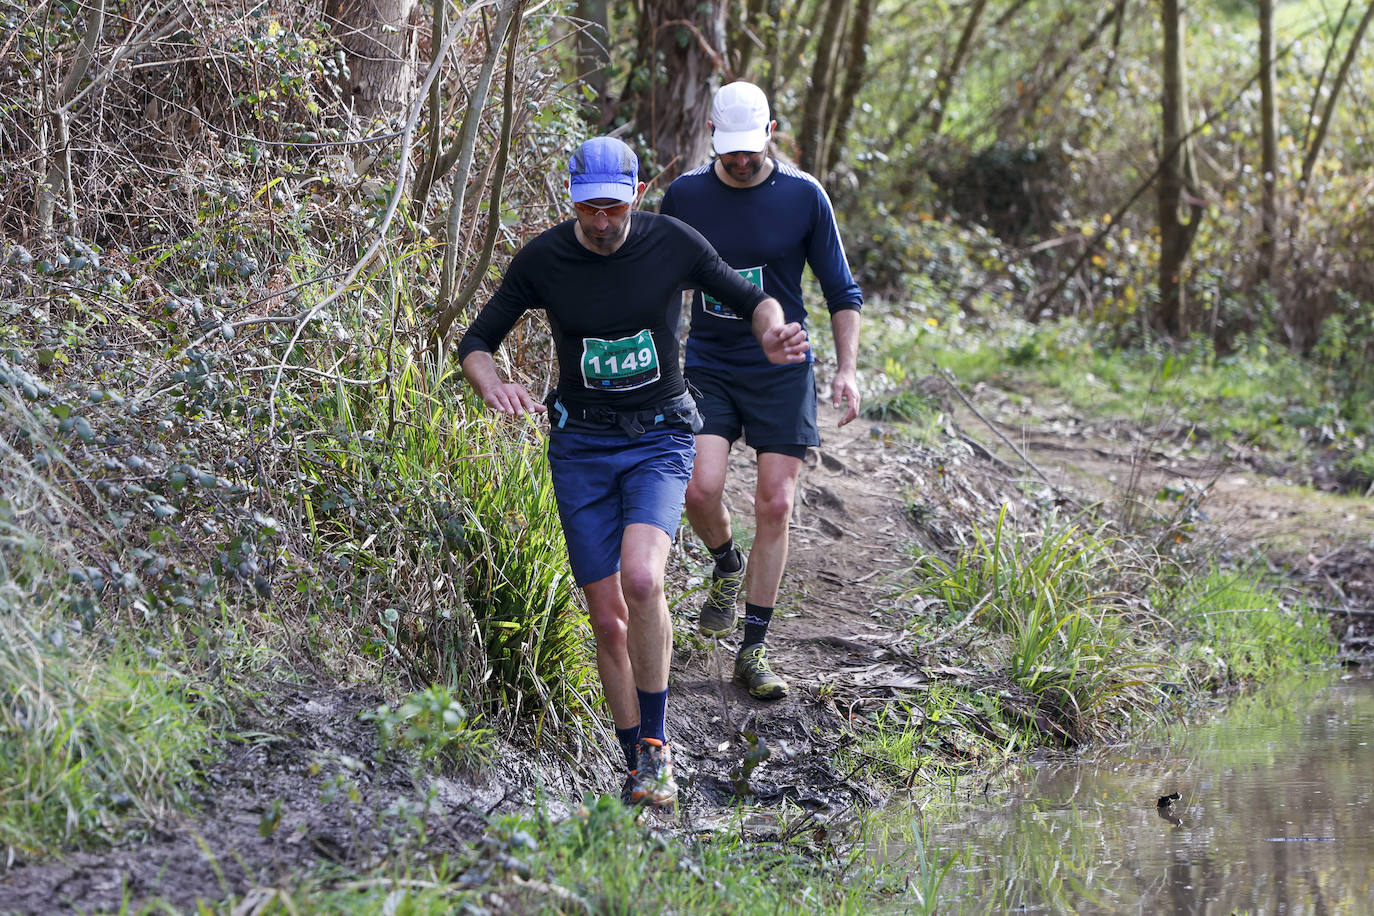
(593, 190)
(740, 141)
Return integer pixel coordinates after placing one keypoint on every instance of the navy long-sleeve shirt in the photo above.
(614, 318)
(769, 233)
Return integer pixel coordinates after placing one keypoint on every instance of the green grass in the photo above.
(897, 739)
(1051, 597)
(96, 736)
(398, 535)
(448, 515)
(1258, 394)
(1236, 630)
(88, 743)
(932, 735)
(434, 725)
(604, 858)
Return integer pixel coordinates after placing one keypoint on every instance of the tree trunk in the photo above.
(1337, 85)
(805, 20)
(813, 135)
(684, 41)
(1269, 143)
(379, 47)
(593, 52)
(856, 65)
(1176, 185)
(944, 83)
(750, 34)
(58, 150)
(773, 75)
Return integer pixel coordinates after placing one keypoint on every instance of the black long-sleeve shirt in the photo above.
(614, 318)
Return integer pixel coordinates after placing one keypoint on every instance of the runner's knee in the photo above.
(701, 497)
(609, 627)
(772, 507)
(640, 584)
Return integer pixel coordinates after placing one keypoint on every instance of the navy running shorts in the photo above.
(606, 481)
(774, 407)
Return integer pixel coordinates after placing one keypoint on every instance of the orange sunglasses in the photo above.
(592, 210)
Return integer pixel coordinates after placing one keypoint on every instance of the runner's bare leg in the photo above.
(773, 496)
(706, 511)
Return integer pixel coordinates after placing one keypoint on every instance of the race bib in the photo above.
(717, 308)
(619, 365)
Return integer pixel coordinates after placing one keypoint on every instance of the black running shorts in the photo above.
(774, 408)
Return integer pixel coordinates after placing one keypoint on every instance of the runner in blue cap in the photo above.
(621, 422)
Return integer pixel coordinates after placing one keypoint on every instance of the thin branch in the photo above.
(402, 170)
(1338, 83)
(83, 58)
(467, 143)
(1321, 75)
(949, 380)
(479, 270)
(133, 44)
(716, 59)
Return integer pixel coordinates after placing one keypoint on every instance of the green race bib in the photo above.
(619, 365)
(717, 308)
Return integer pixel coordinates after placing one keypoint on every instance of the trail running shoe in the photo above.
(654, 783)
(752, 671)
(627, 790)
(718, 611)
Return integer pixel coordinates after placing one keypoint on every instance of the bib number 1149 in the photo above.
(619, 365)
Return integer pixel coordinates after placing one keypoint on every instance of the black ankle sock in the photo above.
(727, 559)
(756, 620)
(629, 738)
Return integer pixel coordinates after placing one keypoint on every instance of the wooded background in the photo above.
(1161, 170)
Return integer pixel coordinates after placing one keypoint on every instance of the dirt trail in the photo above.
(835, 636)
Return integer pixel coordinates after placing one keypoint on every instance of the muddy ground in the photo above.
(305, 792)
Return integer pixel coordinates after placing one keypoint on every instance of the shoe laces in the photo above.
(754, 655)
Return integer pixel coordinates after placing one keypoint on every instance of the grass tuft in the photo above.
(1238, 631)
(1050, 596)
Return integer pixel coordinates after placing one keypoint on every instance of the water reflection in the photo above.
(1273, 816)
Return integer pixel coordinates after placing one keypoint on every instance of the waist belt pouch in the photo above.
(680, 411)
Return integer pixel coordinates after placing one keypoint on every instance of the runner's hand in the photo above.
(512, 400)
(785, 343)
(845, 388)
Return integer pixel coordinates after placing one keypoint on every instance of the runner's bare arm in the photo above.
(507, 398)
(844, 324)
(782, 341)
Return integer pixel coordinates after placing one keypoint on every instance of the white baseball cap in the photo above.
(739, 118)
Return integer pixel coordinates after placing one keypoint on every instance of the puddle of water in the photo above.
(1275, 815)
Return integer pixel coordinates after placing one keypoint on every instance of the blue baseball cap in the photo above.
(603, 167)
